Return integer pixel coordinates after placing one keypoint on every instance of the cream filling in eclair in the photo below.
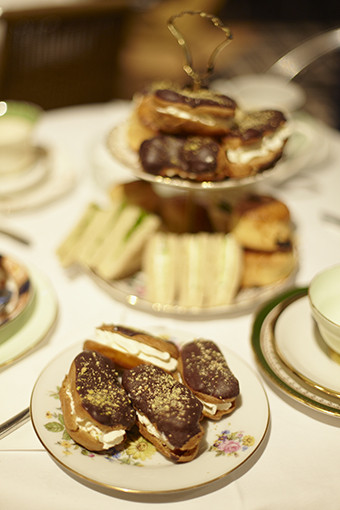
(209, 407)
(145, 352)
(205, 119)
(152, 430)
(108, 439)
(212, 409)
(270, 143)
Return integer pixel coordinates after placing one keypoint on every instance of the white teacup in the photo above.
(324, 298)
(17, 122)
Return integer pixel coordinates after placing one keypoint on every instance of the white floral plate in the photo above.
(138, 468)
(33, 324)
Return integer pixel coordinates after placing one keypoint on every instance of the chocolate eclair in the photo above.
(129, 347)
(96, 409)
(194, 158)
(256, 142)
(168, 414)
(204, 370)
(174, 110)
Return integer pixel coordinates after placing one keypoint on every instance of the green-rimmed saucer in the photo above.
(271, 364)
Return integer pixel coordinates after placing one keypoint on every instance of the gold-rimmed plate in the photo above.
(297, 153)
(300, 346)
(131, 291)
(278, 372)
(137, 467)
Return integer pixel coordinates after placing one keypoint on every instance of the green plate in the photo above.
(269, 362)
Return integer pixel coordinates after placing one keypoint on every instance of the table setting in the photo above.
(63, 277)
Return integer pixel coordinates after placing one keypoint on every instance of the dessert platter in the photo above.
(196, 154)
(232, 254)
(32, 317)
(187, 145)
(291, 353)
(194, 137)
(138, 465)
(299, 151)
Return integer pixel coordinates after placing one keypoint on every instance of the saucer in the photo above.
(301, 347)
(15, 182)
(279, 373)
(55, 176)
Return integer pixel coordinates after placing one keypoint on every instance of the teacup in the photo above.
(17, 122)
(324, 299)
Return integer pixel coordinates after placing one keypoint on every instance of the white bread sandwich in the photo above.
(192, 270)
(109, 241)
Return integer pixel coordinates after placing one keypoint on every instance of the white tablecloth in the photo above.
(297, 465)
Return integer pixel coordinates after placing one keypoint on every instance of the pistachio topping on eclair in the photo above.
(206, 371)
(101, 394)
(169, 405)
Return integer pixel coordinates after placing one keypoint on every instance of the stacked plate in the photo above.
(28, 312)
(30, 174)
(291, 352)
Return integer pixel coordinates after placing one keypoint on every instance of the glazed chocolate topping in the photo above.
(101, 394)
(168, 404)
(205, 370)
(255, 124)
(122, 329)
(202, 98)
(196, 155)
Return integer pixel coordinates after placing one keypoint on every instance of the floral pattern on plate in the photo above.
(232, 443)
(136, 466)
(136, 448)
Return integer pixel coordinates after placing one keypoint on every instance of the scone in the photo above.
(262, 268)
(129, 347)
(204, 370)
(261, 222)
(168, 414)
(97, 411)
